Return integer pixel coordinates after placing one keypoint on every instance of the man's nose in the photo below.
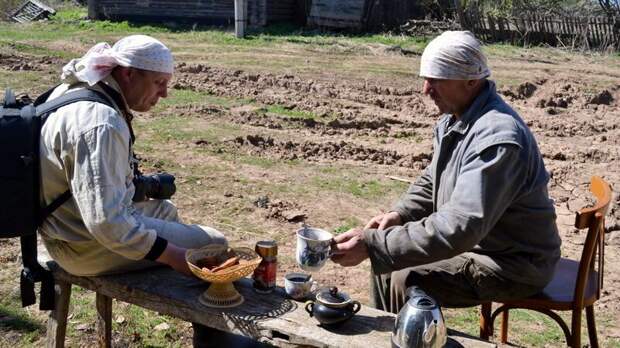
(164, 93)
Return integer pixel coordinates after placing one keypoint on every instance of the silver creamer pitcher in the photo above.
(419, 323)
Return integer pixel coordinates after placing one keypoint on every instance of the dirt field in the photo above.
(261, 140)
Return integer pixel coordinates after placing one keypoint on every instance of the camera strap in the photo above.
(120, 102)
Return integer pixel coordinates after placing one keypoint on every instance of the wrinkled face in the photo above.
(451, 96)
(142, 89)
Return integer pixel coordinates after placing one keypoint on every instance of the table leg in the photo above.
(104, 320)
(57, 322)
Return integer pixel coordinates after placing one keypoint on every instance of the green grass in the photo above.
(35, 50)
(70, 22)
(256, 161)
(17, 318)
(290, 48)
(349, 184)
(181, 97)
(290, 113)
(155, 131)
(347, 224)
(23, 82)
(527, 328)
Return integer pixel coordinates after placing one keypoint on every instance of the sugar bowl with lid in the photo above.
(332, 307)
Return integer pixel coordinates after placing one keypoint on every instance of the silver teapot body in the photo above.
(419, 323)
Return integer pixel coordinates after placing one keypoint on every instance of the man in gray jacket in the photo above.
(478, 224)
(87, 148)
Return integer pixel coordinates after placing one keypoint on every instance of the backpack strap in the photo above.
(43, 110)
(33, 272)
(43, 97)
(46, 108)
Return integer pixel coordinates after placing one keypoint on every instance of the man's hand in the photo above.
(349, 248)
(174, 257)
(383, 221)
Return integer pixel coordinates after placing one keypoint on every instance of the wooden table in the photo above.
(272, 318)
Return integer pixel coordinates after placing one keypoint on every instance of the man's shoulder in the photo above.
(87, 114)
(500, 125)
(81, 117)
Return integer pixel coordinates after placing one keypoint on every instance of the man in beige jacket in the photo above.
(87, 148)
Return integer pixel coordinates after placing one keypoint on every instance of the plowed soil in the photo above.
(381, 126)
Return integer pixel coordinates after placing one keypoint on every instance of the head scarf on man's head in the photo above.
(454, 55)
(137, 51)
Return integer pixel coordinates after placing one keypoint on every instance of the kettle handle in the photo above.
(309, 307)
(430, 333)
(356, 306)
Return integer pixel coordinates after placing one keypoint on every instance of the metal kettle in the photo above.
(419, 323)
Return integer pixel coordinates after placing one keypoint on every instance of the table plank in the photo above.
(269, 318)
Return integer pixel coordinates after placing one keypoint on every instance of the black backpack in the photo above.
(21, 120)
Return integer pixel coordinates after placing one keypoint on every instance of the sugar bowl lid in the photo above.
(331, 297)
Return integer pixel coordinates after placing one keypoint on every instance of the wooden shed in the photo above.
(370, 14)
(207, 12)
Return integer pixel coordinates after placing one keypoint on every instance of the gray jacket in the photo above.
(484, 194)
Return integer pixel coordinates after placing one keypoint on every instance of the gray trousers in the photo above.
(90, 258)
(456, 282)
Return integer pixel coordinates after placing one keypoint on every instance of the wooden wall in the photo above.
(386, 14)
(281, 10)
(260, 12)
(363, 14)
(337, 13)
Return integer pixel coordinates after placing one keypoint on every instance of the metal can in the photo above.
(265, 274)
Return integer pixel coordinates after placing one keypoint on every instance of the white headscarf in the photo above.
(454, 55)
(137, 51)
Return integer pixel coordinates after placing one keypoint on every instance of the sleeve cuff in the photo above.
(380, 261)
(158, 248)
(401, 209)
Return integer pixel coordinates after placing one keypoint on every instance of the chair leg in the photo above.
(591, 327)
(486, 327)
(504, 331)
(575, 338)
(57, 321)
(104, 320)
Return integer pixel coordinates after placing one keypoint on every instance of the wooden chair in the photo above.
(575, 285)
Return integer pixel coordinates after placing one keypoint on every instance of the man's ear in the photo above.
(473, 84)
(123, 75)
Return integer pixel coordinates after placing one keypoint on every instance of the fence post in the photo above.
(92, 10)
(241, 9)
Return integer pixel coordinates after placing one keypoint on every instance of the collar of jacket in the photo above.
(114, 91)
(473, 112)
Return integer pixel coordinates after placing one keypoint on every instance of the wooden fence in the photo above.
(575, 32)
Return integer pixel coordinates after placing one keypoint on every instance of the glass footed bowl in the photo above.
(221, 292)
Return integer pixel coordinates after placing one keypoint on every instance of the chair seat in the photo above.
(559, 293)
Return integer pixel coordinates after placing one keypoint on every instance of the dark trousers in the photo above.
(207, 337)
(456, 282)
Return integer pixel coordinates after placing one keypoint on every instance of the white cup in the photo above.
(313, 248)
(298, 285)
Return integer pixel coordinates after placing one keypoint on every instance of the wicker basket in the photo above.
(222, 293)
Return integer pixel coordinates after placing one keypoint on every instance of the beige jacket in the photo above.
(86, 147)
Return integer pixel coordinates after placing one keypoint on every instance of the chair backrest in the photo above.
(593, 218)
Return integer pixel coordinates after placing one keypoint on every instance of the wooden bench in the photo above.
(271, 319)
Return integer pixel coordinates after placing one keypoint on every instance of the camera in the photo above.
(156, 186)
